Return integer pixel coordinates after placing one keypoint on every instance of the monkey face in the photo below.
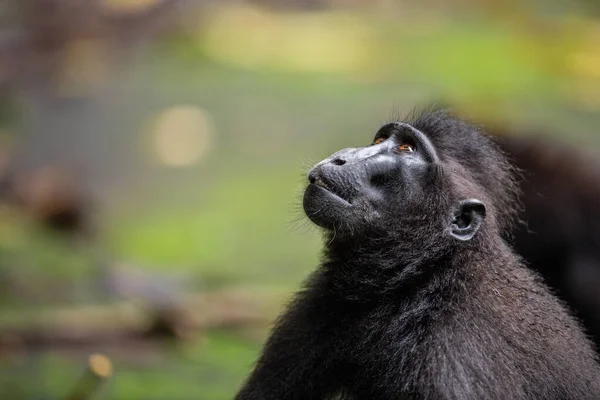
(354, 187)
(394, 182)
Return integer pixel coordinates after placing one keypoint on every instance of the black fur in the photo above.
(401, 309)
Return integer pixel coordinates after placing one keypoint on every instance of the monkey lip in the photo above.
(319, 183)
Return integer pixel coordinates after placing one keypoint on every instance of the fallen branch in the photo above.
(128, 320)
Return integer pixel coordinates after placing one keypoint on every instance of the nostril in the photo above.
(338, 161)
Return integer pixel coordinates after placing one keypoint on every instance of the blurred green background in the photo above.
(152, 160)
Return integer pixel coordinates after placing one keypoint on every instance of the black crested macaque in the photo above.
(418, 296)
(560, 236)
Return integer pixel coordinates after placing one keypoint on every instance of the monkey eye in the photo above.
(379, 140)
(405, 148)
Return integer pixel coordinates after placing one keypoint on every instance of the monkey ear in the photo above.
(467, 219)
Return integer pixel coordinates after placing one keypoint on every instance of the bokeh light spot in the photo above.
(182, 135)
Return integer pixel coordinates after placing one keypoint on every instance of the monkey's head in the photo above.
(432, 175)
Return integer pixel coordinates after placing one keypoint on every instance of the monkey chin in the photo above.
(325, 208)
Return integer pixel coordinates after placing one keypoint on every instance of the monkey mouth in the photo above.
(326, 185)
(320, 182)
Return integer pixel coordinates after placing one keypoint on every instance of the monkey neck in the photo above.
(366, 268)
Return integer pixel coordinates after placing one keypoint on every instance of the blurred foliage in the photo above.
(205, 370)
(463, 57)
(239, 232)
